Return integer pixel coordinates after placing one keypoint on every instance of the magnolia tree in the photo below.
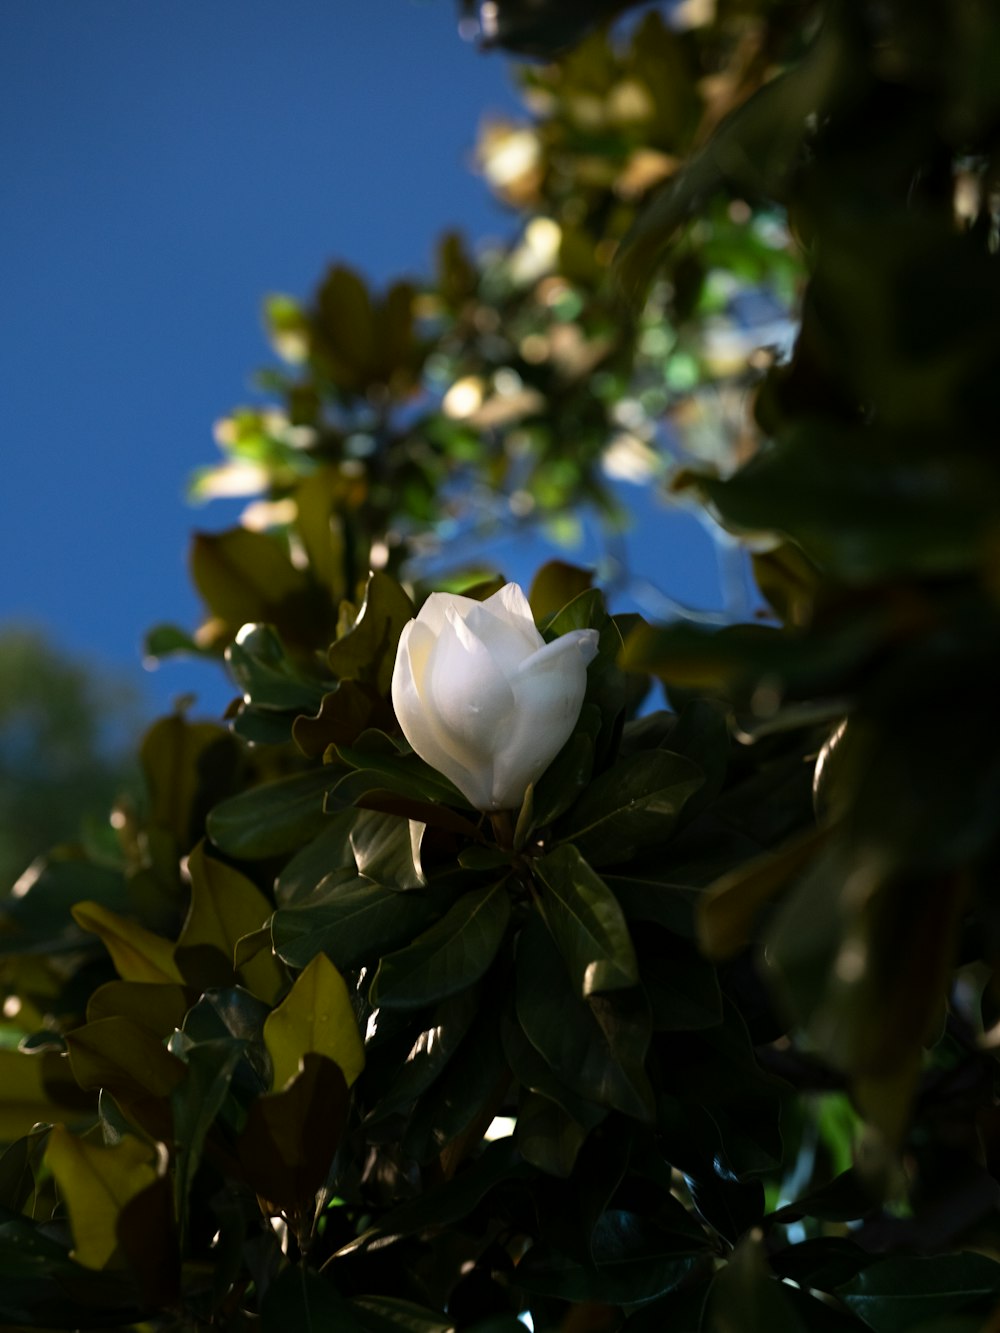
(455, 980)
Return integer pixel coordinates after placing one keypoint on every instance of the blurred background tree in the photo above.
(67, 731)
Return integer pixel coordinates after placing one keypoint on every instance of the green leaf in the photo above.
(315, 1017)
(892, 1295)
(138, 954)
(269, 679)
(547, 1136)
(17, 1169)
(299, 1300)
(607, 688)
(447, 1203)
(344, 714)
(746, 1295)
(751, 153)
(866, 503)
(225, 906)
(387, 1314)
(586, 922)
(429, 1054)
(727, 912)
(406, 773)
(46, 893)
(247, 577)
(451, 955)
(472, 1080)
(554, 585)
(273, 818)
(643, 896)
(367, 652)
(569, 772)
(844, 1199)
(683, 991)
(634, 1260)
(187, 766)
(634, 804)
(96, 1183)
(166, 641)
(290, 1137)
(324, 856)
(532, 1072)
(195, 1103)
(129, 1061)
(567, 1031)
(40, 1286)
(352, 922)
(387, 849)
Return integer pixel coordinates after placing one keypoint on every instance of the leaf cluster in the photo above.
(703, 1037)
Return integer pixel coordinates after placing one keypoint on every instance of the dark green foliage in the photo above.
(703, 1036)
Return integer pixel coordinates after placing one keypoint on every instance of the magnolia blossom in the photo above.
(481, 696)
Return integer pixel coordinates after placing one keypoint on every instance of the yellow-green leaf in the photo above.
(32, 1091)
(226, 906)
(314, 1017)
(138, 954)
(159, 1009)
(96, 1184)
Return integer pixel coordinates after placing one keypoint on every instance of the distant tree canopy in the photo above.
(63, 758)
(703, 1035)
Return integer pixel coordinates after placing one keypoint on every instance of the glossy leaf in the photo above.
(368, 650)
(340, 718)
(634, 1261)
(274, 818)
(634, 804)
(267, 675)
(586, 922)
(195, 1103)
(452, 954)
(892, 1294)
(353, 920)
(565, 1030)
(315, 1017)
(430, 1053)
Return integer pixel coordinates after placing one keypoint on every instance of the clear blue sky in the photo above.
(165, 163)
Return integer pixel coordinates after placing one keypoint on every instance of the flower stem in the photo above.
(503, 829)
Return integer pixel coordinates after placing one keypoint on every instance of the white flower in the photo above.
(482, 698)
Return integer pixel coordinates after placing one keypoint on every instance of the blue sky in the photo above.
(165, 164)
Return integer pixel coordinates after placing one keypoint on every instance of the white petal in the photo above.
(418, 721)
(511, 605)
(549, 691)
(434, 612)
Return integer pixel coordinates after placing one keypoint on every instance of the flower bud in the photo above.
(483, 698)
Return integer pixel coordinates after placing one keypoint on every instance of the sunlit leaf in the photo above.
(316, 1018)
(226, 906)
(138, 954)
(97, 1183)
